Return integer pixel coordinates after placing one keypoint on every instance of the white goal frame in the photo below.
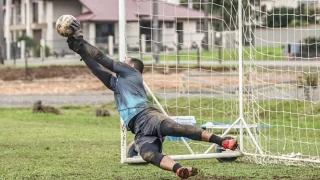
(259, 153)
(205, 155)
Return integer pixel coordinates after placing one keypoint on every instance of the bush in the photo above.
(29, 42)
(296, 22)
(37, 51)
(280, 17)
(312, 80)
(310, 44)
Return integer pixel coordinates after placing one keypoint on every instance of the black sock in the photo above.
(176, 167)
(216, 139)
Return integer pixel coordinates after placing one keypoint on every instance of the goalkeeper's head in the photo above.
(135, 63)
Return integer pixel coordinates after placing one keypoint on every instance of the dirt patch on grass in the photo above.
(217, 178)
(79, 79)
(194, 178)
(80, 84)
(236, 178)
(12, 74)
(160, 79)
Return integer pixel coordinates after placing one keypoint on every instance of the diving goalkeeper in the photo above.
(141, 118)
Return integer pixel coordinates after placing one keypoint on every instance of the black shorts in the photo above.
(147, 128)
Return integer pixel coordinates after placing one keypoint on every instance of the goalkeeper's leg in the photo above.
(151, 153)
(169, 127)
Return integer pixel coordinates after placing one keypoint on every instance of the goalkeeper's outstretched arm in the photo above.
(84, 49)
(89, 55)
(105, 77)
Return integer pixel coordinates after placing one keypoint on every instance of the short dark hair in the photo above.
(138, 64)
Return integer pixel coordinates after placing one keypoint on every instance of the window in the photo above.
(200, 27)
(161, 25)
(169, 25)
(264, 8)
(166, 24)
(35, 12)
(103, 31)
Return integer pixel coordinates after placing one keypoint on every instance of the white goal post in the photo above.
(236, 68)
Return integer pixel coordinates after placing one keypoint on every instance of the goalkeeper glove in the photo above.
(76, 26)
(76, 45)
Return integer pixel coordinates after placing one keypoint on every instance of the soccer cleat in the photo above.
(231, 144)
(185, 173)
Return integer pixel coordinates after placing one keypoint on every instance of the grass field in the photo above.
(257, 54)
(78, 145)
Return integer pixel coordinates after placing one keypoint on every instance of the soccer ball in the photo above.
(63, 25)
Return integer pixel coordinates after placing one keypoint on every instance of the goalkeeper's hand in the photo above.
(76, 45)
(76, 26)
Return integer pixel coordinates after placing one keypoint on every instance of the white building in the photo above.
(36, 18)
(270, 4)
(172, 1)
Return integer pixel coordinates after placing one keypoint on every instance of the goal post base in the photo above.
(284, 158)
(230, 154)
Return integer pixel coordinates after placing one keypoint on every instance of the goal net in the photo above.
(257, 83)
(282, 75)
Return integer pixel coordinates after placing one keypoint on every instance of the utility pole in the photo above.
(1, 34)
(155, 31)
(206, 25)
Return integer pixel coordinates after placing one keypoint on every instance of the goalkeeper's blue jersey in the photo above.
(129, 93)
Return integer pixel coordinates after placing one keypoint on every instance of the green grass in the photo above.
(78, 145)
(257, 54)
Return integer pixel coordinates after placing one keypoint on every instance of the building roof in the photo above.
(108, 10)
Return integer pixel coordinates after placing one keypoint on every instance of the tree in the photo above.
(30, 43)
(306, 14)
(280, 17)
(301, 16)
